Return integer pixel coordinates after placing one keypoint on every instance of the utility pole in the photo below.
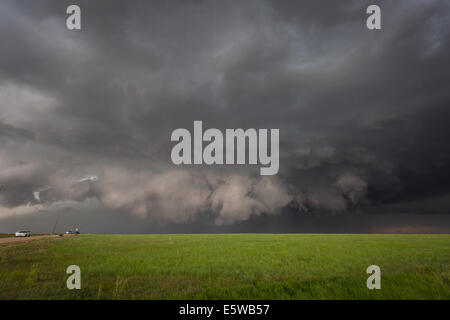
(54, 227)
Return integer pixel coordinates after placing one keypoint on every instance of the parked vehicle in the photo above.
(73, 232)
(23, 233)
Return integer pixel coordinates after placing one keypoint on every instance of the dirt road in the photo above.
(12, 240)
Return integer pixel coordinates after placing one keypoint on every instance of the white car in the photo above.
(23, 233)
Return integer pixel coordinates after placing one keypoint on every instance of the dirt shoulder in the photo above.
(6, 241)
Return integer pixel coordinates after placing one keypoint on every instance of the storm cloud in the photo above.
(86, 115)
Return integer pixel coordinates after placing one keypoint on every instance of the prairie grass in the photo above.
(228, 266)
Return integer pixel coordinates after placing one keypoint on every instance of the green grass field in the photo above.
(228, 266)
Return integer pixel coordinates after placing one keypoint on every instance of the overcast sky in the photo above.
(86, 116)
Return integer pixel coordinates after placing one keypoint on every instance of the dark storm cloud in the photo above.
(362, 114)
